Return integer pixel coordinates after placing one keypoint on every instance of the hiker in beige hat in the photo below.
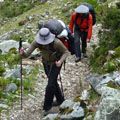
(54, 54)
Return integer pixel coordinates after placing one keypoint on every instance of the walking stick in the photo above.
(61, 84)
(21, 84)
(64, 64)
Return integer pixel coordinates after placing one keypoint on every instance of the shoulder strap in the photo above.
(76, 17)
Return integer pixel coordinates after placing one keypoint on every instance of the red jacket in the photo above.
(86, 24)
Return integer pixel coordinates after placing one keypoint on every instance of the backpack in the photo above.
(92, 11)
(68, 41)
(56, 28)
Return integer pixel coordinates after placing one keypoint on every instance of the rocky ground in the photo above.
(72, 81)
(32, 107)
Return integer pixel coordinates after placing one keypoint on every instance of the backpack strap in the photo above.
(75, 21)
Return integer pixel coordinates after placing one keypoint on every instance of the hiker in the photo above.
(61, 31)
(81, 27)
(54, 54)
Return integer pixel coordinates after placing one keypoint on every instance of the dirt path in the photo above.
(71, 80)
(32, 106)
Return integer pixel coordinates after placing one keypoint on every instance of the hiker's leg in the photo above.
(46, 68)
(71, 43)
(84, 41)
(47, 104)
(51, 88)
(77, 43)
(58, 94)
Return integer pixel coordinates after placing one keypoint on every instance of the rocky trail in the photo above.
(73, 85)
(103, 91)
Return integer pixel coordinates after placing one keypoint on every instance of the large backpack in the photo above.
(56, 28)
(92, 11)
(53, 25)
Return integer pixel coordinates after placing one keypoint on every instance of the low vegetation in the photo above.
(12, 8)
(101, 60)
(9, 61)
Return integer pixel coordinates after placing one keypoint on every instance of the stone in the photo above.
(12, 87)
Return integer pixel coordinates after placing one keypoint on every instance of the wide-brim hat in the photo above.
(64, 32)
(82, 9)
(44, 36)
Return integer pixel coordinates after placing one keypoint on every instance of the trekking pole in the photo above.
(21, 83)
(64, 64)
(61, 84)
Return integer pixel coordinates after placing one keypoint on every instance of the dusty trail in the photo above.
(71, 80)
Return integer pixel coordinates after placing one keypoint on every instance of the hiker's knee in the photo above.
(50, 87)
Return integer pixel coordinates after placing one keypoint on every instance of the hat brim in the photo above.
(64, 33)
(41, 41)
(82, 9)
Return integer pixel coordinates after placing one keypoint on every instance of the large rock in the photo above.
(109, 108)
(99, 81)
(15, 73)
(4, 106)
(7, 35)
(12, 87)
(50, 117)
(72, 110)
(67, 104)
(5, 46)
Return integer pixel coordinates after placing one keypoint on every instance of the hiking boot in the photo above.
(46, 112)
(85, 55)
(77, 60)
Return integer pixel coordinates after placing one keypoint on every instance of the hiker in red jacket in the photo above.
(81, 27)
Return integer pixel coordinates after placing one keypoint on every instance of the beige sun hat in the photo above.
(44, 36)
(64, 33)
(82, 9)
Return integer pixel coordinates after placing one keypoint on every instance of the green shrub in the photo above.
(3, 82)
(12, 59)
(112, 19)
(2, 70)
(117, 52)
(110, 66)
(27, 84)
(94, 96)
(12, 8)
(109, 40)
(15, 37)
(113, 85)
